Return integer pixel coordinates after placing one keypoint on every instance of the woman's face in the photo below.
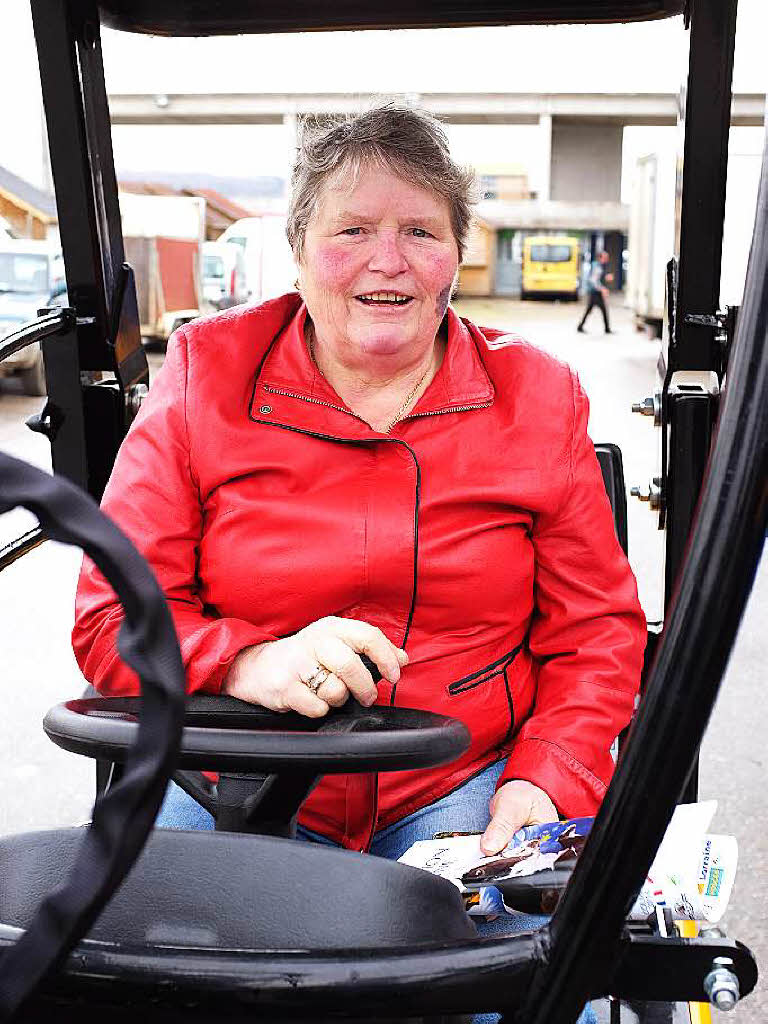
(378, 266)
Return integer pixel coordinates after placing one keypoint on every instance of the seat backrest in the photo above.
(612, 468)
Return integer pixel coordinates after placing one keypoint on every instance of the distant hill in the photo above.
(256, 187)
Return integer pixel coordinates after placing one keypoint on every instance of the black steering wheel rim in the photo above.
(226, 734)
(123, 818)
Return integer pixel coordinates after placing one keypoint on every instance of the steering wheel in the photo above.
(269, 761)
(227, 734)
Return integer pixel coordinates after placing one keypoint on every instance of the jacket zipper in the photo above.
(414, 585)
(453, 408)
(338, 408)
(348, 412)
(305, 398)
(375, 817)
(360, 441)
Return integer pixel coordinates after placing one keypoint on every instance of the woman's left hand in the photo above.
(513, 805)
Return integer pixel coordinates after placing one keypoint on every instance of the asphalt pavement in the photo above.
(45, 787)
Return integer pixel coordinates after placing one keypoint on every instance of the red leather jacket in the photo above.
(477, 535)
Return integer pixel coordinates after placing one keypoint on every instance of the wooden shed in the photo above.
(28, 211)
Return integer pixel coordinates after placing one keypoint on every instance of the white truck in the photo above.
(652, 227)
(164, 238)
(224, 283)
(269, 265)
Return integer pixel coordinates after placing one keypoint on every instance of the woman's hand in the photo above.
(513, 805)
(271, 674)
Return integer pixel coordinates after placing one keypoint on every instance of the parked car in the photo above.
(224, 282)
(28, 276)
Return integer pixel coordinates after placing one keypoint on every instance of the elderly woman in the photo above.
(355, 469)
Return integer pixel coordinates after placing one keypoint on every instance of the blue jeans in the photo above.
(463, 810)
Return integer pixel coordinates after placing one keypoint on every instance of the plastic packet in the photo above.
(697, 885)
(448, 855)
(692, 873)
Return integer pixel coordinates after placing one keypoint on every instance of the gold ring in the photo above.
(317, 678)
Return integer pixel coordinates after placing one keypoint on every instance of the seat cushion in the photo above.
(226, 890)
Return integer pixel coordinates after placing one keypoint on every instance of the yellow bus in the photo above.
(551, 265)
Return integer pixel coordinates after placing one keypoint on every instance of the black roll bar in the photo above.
(235, 17)
(712, 591)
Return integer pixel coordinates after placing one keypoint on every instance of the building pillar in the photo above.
(543, 183)
(291, 126)
(586, 161)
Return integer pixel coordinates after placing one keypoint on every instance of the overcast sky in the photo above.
(647, 57)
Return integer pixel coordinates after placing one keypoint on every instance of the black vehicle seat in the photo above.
(230, 890)
(612, 468)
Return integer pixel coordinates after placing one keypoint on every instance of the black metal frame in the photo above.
(585, 949)
(689, 407)
(204, 17)
(105, 337)
(693, 339)
(361, 985)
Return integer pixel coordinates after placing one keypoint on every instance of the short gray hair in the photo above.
(409, 142)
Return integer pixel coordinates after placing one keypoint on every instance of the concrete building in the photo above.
(493, 262)
(505, 181)
(573, 187)
(578, 142)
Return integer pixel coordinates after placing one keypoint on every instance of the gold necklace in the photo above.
(401, 410)
(406, 404)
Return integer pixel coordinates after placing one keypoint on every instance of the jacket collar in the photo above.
(290, 385)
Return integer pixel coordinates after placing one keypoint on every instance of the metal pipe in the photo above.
(447, 978)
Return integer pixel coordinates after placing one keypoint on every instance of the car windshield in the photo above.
(550, 253)
(23, 272)
(213, 266)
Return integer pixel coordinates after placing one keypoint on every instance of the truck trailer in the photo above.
(164, 237)
(652, 220)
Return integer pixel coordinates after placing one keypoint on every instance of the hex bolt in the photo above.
(721, 985)
(650, 406)
(651, 493)
(645, 408)
(136, 396)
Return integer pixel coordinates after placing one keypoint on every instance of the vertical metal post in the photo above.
(690, 401)
(77, 115)
(705, 115)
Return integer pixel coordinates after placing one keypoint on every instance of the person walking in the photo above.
(597, 292)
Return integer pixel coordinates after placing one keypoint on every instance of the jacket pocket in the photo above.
(484, 699)
(484, 675)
